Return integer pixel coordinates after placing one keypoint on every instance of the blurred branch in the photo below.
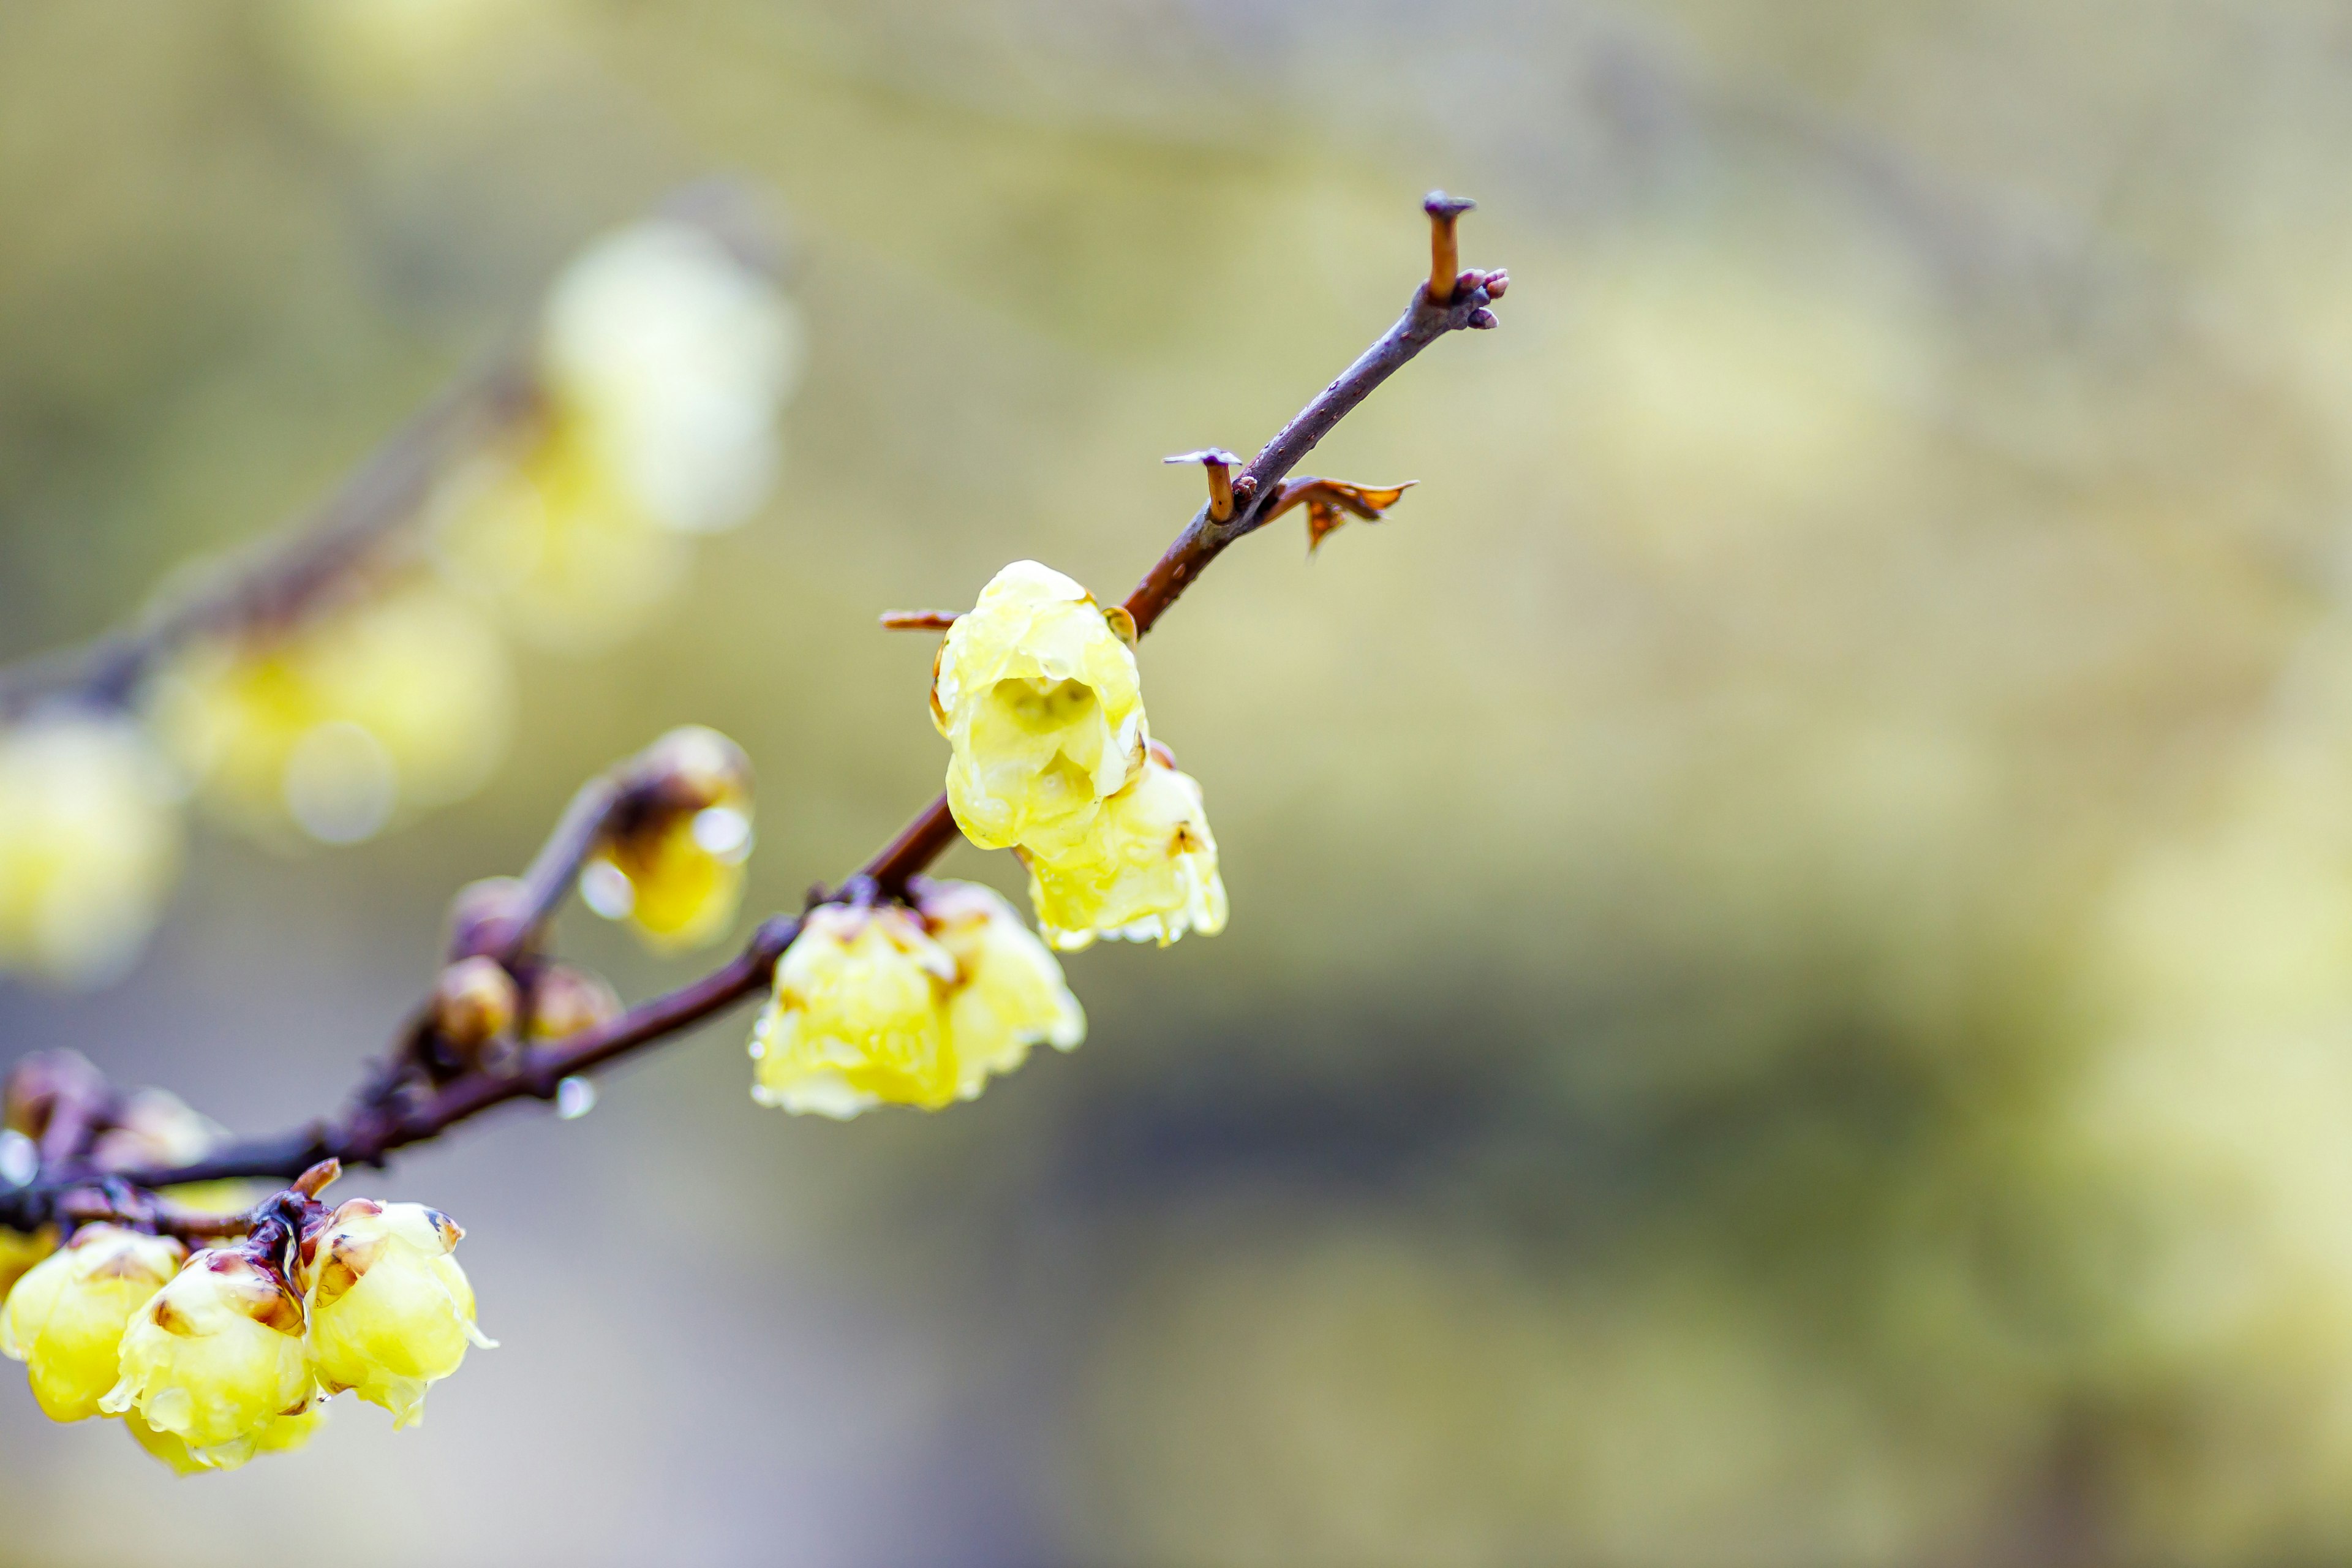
(402, 1105)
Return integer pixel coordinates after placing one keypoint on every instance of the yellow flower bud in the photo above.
(859, 1017)
(1146, 873)
(391, 1311)
(19, 1252)
(214, 1357)
(90, 845)
(340, 722)
(1009, 994)
(283, 1435)
(1036, 692)
(566, 1000)
(674, 870)
(67, 1317)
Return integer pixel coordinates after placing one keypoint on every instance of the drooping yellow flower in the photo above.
(214, 1357)
(90, 845)
(19, 1252)
(1036, 692)
(67, 1317)
(393, 703)
(1008, 994)
(859, 1017)
(391, 1311)
(674, 870)
(283, 1435)
(1146, 873)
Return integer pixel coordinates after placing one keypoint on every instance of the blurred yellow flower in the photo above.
(1008, 995)
(19, 1252)
(1146, 873)
(674, 357)
(674, 871)
(564, 558)
(1037, 694)
(66, 1318)
(391, 1311)
(859, 1017)
(90, 845)
(399, 702)
(214, 1357)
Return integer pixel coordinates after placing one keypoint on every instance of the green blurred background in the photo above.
(1790, 991)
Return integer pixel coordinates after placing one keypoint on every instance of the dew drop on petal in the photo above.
(723, 831)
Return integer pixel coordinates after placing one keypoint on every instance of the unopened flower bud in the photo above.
(1009, 994)
(473, 1003)
(39, 1084)
(485, 913)
(66, 1319)
(673, 865)
(566, 1000)
(1146, 873)
(391, 1311)
(859, 1017)
(1037, 694)
(154, 1129)
(216, 1356)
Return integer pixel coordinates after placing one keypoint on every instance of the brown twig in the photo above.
(397, 1111)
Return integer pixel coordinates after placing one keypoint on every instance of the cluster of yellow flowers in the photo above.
(211, 1359)
(661, 364)
(1037, 693)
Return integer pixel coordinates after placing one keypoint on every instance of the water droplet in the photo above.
(604, 887)
(574, 1097)
(20, 1159)
(723, 831)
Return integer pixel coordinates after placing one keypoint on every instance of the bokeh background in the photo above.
(1789, 992)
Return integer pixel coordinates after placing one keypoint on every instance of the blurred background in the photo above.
(1790, 989)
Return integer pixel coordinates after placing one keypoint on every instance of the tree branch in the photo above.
(397, 1110)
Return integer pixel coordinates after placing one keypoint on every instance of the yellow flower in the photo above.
(674, 357)
(19, 1252)
(1008, 994)
(283, 1435)
(90, 845)
(67, 1317)
(214, 1357)
(402, 702)
(859, 1017)
(674, 870)
(1036, 692)
(391, 1311)
(1146, 873)
(566, 560)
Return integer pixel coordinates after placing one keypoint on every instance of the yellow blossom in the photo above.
(391, 1311)
(90, 845)
(19, 1252)
(672, 357)
(674, 870)
(1146, 873)
(566, 560)
(1008, 994)
(859, 1017)
(337, 724)
(66, 1318)
(283, 1435)
(214, 1357)
(1036, 692)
